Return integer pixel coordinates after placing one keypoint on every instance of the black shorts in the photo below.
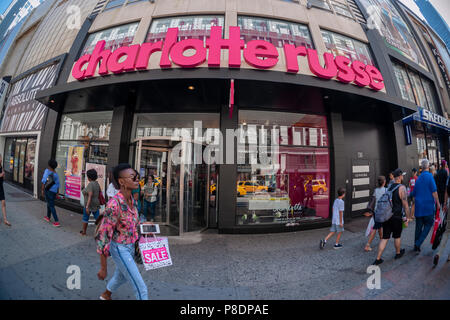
(2, 194)
(393, 226)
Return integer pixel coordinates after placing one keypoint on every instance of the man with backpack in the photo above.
(426, 202)
(389, 211)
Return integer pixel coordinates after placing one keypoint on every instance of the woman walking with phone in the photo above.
(118, 233)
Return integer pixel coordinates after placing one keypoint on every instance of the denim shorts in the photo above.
(86, 215)
(336, 228)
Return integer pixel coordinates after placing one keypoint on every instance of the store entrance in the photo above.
(185, 199)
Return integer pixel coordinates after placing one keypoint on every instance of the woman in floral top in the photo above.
(117, 234)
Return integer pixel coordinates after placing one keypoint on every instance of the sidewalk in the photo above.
(35, 256)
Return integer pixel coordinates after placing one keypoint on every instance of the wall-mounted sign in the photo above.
(259, 54)
(434, 119)
(22, 112)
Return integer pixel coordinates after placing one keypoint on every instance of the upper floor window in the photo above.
(189, 27)
(403, 82)
(277, 32)
(415, 88)
(114, 4)
(393, 28)
(341, 45)
(341, 9)
(115, 37)
(323, 4)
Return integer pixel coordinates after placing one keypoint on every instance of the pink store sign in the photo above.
(73, 187)
(259, 54)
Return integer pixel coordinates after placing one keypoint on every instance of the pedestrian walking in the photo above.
(426, 202)
(117, 234)
(441, 180)
(92, 204)
(136, 193)
(379, 191)
(111, 191)
(391, 179)
(2, 193)
(394, 225)
(50, 186)
(150, 192)
(433, 170)
(444, 239)
(337, 221)
(412, 183)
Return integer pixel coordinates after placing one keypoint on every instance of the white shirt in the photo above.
(338, 205)
(112, 191)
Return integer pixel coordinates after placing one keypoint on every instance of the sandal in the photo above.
(7, 223)
(82, 233)
(367, 248)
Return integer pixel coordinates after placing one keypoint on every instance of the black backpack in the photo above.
(50, 182)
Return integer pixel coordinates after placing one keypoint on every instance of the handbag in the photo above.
(155, 252)
(101, 198)
(370, 226)
(437, 221)
(440, 232)
(50, 181)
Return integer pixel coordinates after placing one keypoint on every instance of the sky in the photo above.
(442, 6)
(4, 4)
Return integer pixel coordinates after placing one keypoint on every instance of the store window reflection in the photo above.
(83, 141)
(284, 174)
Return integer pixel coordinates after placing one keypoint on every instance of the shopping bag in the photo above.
(370, 226)
(440, 232)
(437, 221)
(155, 252)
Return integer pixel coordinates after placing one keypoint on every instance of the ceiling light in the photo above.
(191, 87)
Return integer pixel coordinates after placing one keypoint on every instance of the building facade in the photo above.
(249, 114)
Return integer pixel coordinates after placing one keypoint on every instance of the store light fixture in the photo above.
(191, 88)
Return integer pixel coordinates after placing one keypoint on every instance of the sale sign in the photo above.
(74, 168)
(155, 252)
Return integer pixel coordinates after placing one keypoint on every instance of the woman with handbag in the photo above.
(118, 233)
(92, 194)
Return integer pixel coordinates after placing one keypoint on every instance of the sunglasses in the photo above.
(134, 178)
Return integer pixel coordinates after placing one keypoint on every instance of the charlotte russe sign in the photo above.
(259, 54)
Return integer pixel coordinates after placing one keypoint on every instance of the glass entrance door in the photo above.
(184, 188)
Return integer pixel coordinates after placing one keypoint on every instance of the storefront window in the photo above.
(83, 142)
(115, 37)
(189, 27)
(8, 157)
(277, 32)
(341, 45)
(283, 168)
(421, 101)
(403, 82)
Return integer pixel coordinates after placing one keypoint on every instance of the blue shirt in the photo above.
(55, 187)
(423, 194)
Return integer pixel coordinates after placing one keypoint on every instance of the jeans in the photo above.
(50, 198)
(126, 270)
(423, 227)
(150, 206)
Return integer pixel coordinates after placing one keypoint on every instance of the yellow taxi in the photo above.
(318, 186)
(252, 186)
(240, 190)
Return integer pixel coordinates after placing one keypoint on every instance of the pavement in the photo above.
(35, 257)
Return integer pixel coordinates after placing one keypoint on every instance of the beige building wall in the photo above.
(316, 19)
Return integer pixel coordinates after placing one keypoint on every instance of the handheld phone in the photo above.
(149, 228)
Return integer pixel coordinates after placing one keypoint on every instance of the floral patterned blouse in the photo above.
(120, 223)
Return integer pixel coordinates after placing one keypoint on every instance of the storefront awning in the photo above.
(429, 118)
